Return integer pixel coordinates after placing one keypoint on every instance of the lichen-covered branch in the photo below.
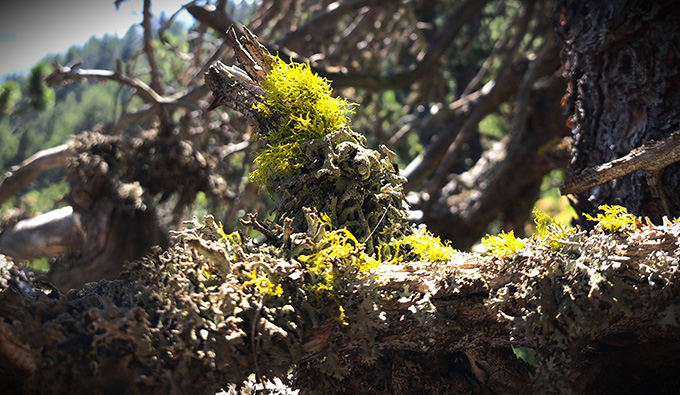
(215, 308)
(340, 289)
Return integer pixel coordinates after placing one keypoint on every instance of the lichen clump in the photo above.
(503, 244)
(312, 159)
(297, 107)
(420, 245)
(613, 218)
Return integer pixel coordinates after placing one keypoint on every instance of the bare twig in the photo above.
(64, 74)
(156, 82)
(441, 42)
(329, 14)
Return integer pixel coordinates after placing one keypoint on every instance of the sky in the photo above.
(31, 29)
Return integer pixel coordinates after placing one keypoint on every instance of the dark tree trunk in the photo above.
(621, 60)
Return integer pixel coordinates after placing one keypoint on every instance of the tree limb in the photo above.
(651, 157)
(21, 175)
(43, 236)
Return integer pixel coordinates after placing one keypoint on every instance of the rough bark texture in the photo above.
(622, 64)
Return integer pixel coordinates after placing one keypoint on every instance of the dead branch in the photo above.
(159, 105)
(470, 125)
(475, 105)
(20, 176)
(214, 18)
(651, 157)
(328, 14)
(217, 20)
(64, 74)
(45, 235)
(156, 82)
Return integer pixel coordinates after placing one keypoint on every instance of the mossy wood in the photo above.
(351, 297)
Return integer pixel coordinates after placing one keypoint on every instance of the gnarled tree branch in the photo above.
(20, 176)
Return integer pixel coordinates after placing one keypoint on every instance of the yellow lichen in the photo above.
(233, 237)
(340, 254)
(550, 230)
(259, 277)
(298, 107)
(614, 218)
(424, 245)
(503, 244)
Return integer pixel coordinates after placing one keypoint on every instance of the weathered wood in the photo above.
(45, 235)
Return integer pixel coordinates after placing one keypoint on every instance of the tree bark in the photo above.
(622, 65)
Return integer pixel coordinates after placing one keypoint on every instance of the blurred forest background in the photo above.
(466, 92)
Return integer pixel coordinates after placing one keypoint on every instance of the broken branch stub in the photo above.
(237, 88)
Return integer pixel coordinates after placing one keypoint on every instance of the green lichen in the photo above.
(614, 219)
(297, 107)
